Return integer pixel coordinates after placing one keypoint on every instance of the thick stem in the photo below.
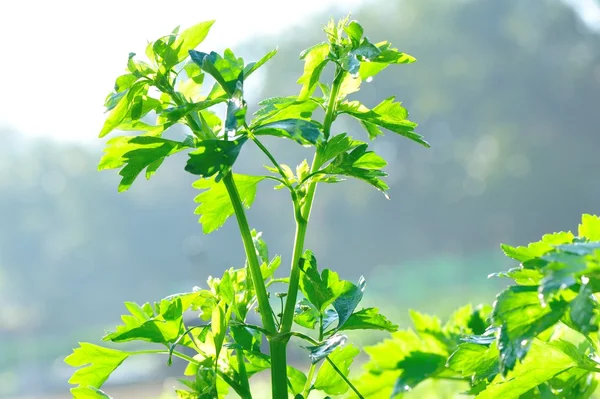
(262, 297)
(279, 386)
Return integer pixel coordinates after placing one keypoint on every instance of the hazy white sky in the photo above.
(59, 59)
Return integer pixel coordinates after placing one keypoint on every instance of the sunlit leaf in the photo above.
(388, 114)
(136, 154)
(315, 59)
(96, 362)
(328, 380)
(190, 38)
(368, 319)
(215, 206)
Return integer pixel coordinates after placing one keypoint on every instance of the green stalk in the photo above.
(302, 223)
(262, 297)
(279, 380)
(279, 347)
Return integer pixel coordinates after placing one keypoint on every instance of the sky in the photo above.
(59, 58)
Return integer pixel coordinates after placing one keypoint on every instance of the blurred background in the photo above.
(507, 92)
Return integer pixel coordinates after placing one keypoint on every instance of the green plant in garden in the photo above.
(226, 345)
(539, 340)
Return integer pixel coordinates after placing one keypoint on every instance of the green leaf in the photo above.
(584, 311)
(253, 66)
(477, 362)
(543, 363)
(354, 31)
(191, 38)
(522, 317)
(416, 368)
(175, 114)
(214, 156)
(339, 144)
(315, 58)
(88, 393)
(537, 249)
(387, 56)
(163, 328)
(218, 327)
(325, 348)
(590, 227)
(136, 154)
(328, 380)
(119, 108)
(346, 303)
(98, 363)
(368, 319)
(388, 114)
(320, 289)
(306, 314)
(302, 131)
(281, 108)
(297, 380)
(227, 70)
(361, 164)
(215, 206)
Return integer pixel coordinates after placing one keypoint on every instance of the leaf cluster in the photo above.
(538, 341)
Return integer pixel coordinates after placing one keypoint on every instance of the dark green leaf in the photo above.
(96, 362)
(303, 131)
(137, 154)
(214, 156)
(328, 380)
(315, 59)
(227, 70)
(346, 303)
(215, 206)
(368, 319)
(584, 311)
